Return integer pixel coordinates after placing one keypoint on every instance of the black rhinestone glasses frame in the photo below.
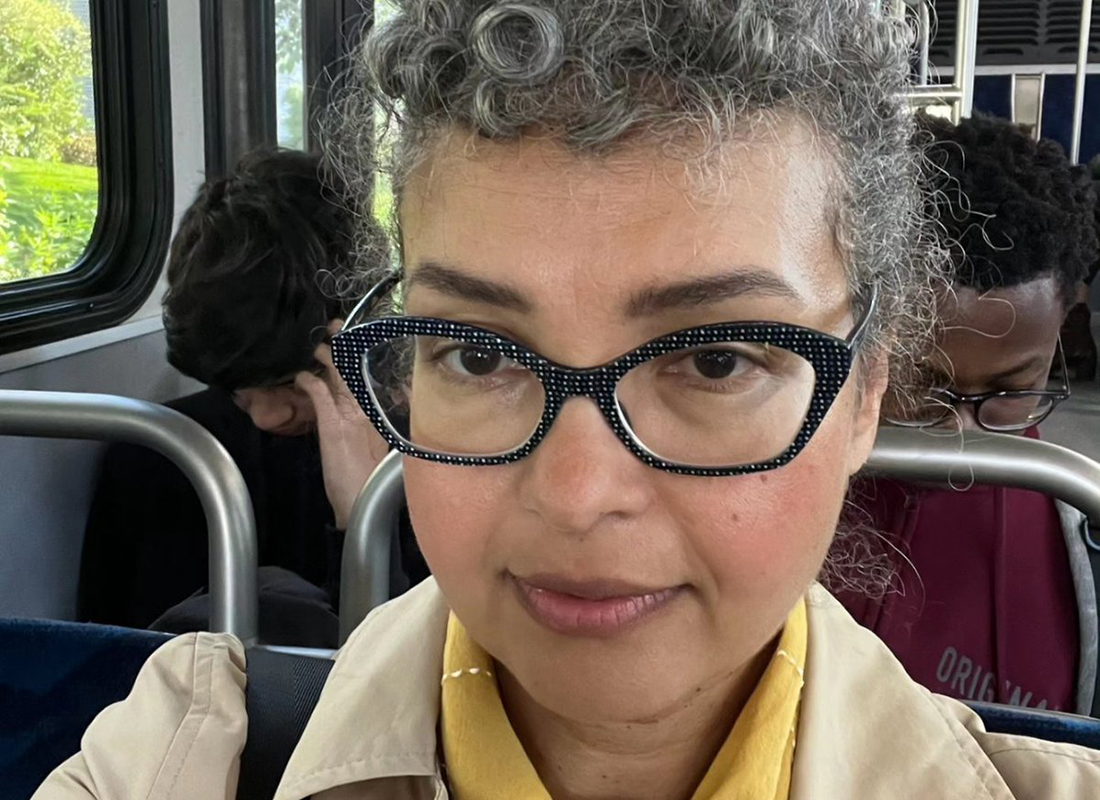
(830, 357)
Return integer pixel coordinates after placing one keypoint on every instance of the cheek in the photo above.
(303, 408)
(758, 534)
(454, 511)
(761, 531)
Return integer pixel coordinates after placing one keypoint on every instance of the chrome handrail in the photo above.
(1082, 75)
(966, 55)
(960, 459)
(924, 16)
(372, 525)
(959, 94)
(216, 478)
(989, 458)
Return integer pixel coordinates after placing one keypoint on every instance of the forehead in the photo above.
(580, 233)
(998, 333)
(1028, 313)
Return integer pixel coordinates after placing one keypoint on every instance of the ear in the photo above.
(868, 408)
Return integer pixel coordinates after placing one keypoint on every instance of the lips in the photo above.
(599, 608)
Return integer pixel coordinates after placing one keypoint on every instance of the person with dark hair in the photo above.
(247, 312)
(994, 595)
(244, 306)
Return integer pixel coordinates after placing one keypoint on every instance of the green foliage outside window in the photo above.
(288, 65)
(49, 190)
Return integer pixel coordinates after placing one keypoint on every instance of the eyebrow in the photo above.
(690, 293)
(939, 377)
(455, 283)
(1024, 366)
(708, 291)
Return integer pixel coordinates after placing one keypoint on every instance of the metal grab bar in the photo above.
(959, 92)
(983, 458)
(989, 458)
(1082, 75)
(966, 55)
(925, 20)
(207, 465)
(372, 525)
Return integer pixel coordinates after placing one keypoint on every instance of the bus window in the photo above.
(49, 184)
(384, 11)
(289, 74)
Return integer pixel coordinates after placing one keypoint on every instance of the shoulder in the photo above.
(1032, 768)
(178, 734)
(215, 410)
(866, 729)
(212, 409)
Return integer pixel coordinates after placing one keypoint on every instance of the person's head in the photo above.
(246, 306)
(581, 178)
(1019, 220)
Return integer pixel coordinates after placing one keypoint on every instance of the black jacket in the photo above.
(145, 547)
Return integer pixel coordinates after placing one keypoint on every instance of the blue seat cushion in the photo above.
(1053, 726)
(54, 678)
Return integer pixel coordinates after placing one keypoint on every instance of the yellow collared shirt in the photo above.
(485, 760)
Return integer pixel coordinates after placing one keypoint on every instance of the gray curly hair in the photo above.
(597, 73)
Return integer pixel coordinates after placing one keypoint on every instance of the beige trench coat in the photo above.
(866, 730)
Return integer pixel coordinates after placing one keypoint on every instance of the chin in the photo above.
(608, 693)
(639, 676)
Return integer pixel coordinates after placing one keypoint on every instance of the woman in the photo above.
(624, 602)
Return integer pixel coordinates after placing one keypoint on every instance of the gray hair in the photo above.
(596, 73)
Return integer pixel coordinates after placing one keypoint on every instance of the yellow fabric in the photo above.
(485, 760)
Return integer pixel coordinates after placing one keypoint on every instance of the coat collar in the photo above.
(865, 728)
(377, 714)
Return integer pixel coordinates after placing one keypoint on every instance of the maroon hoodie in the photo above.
(986, 608)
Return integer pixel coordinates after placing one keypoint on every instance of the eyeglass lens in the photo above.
(1014, 412)
(722, 404)
(1010, 412)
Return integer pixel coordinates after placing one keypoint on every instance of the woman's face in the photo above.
(560, 252)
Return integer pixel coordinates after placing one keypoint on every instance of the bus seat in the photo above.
(1051, 726)
(54, 678)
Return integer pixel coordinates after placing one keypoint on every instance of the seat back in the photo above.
(283, 689)
(212, 472)
(54, 678)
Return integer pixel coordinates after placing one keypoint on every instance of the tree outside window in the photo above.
(290, 73)
(49, 184)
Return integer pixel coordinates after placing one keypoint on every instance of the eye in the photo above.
(717, 364)
(475, 361)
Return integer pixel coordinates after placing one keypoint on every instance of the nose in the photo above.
(581, 474)
(962, 418)
(967, 417)
(267, 413)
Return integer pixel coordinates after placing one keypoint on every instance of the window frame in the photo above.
(238, 71)
(331, 30)
(238, 80)
(125, 254)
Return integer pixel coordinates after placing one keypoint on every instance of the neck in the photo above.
(660, 758)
